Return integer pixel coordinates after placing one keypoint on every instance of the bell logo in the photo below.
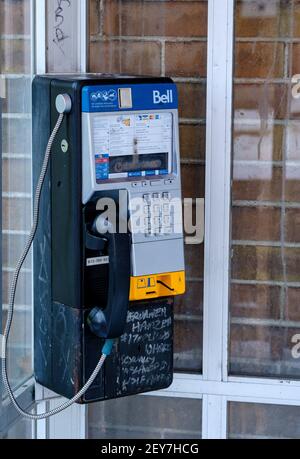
(166, 98)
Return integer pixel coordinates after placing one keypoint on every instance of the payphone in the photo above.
(108, 250)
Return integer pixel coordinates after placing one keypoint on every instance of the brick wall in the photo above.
(265, 293)
(165, 38)
(259, 421)
(15, 65)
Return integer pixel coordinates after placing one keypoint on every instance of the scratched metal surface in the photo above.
(143, 357)
(42, 244)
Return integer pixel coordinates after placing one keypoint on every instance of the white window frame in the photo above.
(214, 387)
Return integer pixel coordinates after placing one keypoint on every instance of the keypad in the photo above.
(158, 212)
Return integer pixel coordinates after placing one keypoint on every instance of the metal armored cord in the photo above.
(12, 294)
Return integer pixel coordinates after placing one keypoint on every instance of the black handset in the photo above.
(109, 322)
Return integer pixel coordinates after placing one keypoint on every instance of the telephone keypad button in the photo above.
(167, 220)
(166, 209)
(156, 209)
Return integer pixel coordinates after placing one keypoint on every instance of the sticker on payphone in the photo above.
(102, 166)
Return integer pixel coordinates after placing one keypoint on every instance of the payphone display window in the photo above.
(132, 145)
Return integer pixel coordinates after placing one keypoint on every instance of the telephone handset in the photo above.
(108, 321)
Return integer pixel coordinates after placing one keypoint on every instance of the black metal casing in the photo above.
(66, 351)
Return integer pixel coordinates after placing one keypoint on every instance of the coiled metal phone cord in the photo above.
(108, 344)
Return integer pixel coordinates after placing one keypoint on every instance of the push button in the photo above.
(136, 184)
(156, 209)
(169, 182)
(167, 220)
(156, 183)
(141, 283)
(156, 196)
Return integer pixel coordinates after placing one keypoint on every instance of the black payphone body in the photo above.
(118, 145)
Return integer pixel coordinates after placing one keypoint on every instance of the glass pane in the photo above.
(265, 283)
(20, 431)
(15, 69)
(253, 421)
(163, 37)
(146, 417)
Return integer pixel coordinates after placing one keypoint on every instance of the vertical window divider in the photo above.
(218, 188)
(1, 383)
(217, 211)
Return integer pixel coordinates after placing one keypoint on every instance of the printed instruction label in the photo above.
(97, 261)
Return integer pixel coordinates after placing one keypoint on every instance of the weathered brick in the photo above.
(12, 128)
(271, 20)
(16, 214)
(263, 351)
(18, 95)
(257, 182)
(15, 175)
(256, 420)
(255, 301)
(259, 60)
(94, 17)
(23, 295)
(188, 345)
(256, 342)
(194, 261)
(292, 140)
(292, 310)
(192, 100)
(257, 263)
(15, 17)
(155, 18)
(258, 142)
(296, 20)
(292, 183)
(192, 141)
(294, 58)
(131, 57)
(292, 225)
(15, 55)
(292, 260)
(193, 180)
(12, 247)
(186, 59)
(191, 303)
(256, 223)
(266, 263)
(260, 101)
